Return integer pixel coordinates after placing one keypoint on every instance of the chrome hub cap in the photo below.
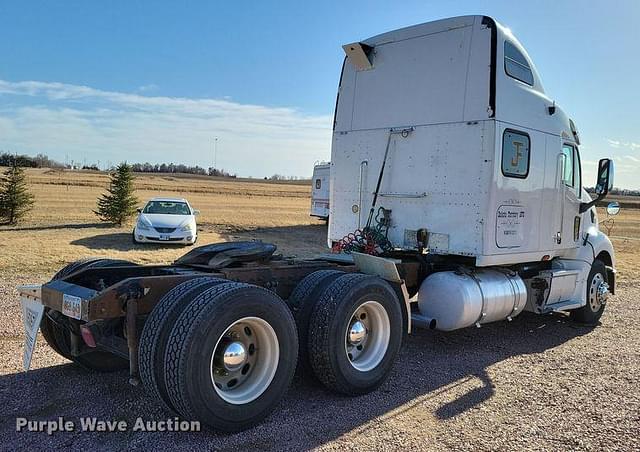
(244, 360)
(357, 333)
(367, 336)
(235, 356)
(598, 292)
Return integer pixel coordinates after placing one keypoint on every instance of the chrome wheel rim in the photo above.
(244, 360)
(367, 336)
(598, 292)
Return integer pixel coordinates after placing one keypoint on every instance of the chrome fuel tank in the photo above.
(461, 299)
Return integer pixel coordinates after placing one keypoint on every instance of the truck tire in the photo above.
(355, 334)
(597, 294)
(59, 339)
(52, 333)
(231, 356)
(301, 302)
(57, 336)
(156, 331)
(76, 266)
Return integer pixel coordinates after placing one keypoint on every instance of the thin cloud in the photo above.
(85, 122)
(618, 144)
(148, 88)
(631, 158)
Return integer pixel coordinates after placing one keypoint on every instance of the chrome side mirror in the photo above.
(613, 208)
(196, 212)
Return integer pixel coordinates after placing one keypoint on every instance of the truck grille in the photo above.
(165, 230)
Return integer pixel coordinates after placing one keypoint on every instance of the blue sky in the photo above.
(157, 81)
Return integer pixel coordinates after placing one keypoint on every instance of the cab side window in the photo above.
(515, 154)
(516, 65)
(567, 173)
(577, 172)
(572, 172)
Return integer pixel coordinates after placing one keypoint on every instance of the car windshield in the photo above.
(167, 208)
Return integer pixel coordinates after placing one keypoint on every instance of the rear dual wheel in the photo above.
(229, 355)
(302, 302)
(350, 329)
(156, 331)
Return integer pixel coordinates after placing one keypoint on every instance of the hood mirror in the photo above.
(613, 208)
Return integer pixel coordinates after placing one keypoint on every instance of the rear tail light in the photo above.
(87, 336)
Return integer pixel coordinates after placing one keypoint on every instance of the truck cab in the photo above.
(445, 139)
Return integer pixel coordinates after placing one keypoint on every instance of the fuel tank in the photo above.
(458, 299)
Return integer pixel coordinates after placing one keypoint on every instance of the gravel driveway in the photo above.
(537, 383)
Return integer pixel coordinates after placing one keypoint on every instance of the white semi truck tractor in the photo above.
(456, 199)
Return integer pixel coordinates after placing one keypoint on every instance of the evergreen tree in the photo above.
(15, 199)
(119, 204)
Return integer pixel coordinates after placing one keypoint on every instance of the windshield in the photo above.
(167, 208)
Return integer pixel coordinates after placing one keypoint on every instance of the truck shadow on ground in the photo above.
(441, 375)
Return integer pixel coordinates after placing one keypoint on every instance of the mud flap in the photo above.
(32, 311)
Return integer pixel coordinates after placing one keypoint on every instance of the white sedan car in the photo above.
(166, 220)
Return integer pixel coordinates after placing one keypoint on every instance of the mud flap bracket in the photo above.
(386, 269)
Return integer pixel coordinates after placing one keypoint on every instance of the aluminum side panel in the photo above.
(437, 177)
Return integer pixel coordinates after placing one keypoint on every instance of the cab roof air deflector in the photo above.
(358, 55)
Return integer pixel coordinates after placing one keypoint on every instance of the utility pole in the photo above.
(215, 153)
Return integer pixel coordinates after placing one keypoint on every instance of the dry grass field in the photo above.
(62, 226)
(624, 231)
(537, 383)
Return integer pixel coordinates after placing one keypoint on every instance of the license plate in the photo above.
(165, 237)
(72, 306)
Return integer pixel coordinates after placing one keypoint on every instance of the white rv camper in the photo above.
(320, 191)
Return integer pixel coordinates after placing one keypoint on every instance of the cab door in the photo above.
(569, 195)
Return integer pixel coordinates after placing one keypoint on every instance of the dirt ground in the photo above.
(537, 383)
